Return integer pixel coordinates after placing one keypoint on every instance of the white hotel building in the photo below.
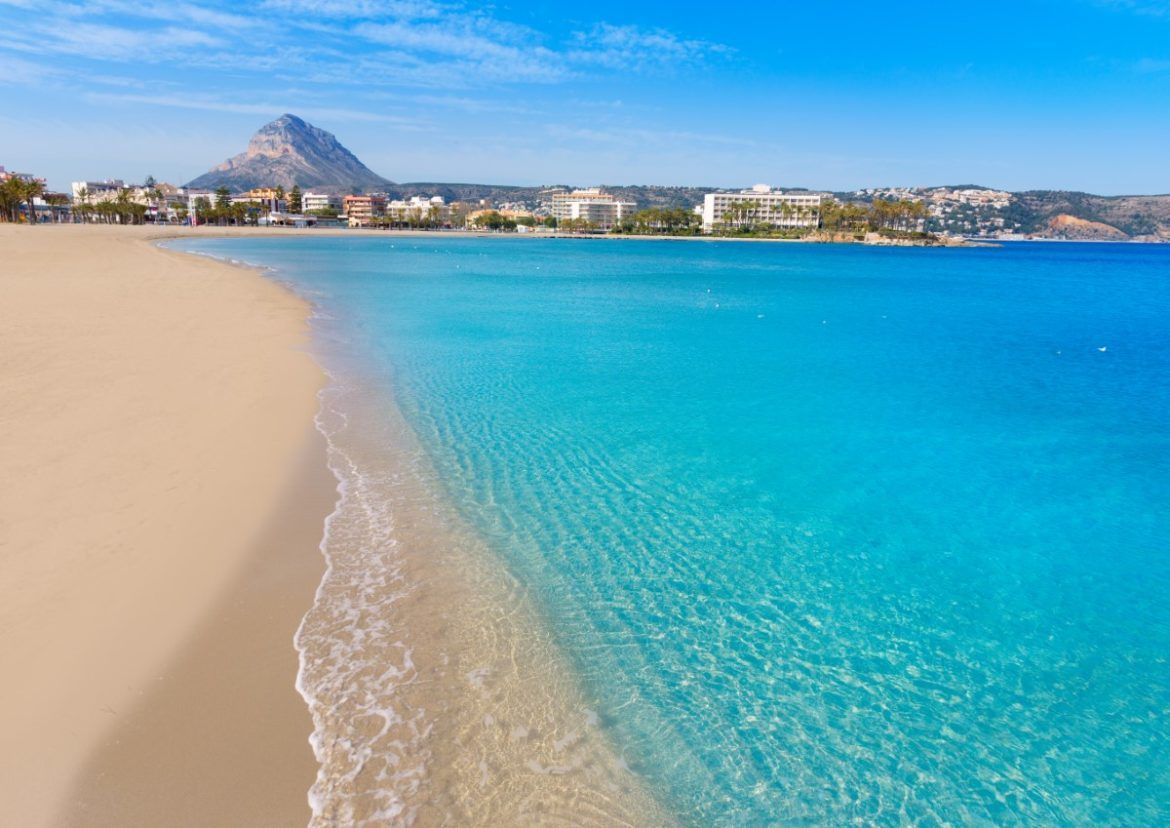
(768, 206)
(598, 208)
(311, 201)
(95, 191)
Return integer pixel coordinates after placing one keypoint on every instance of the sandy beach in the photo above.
(160, 510)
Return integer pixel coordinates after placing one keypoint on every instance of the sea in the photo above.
(742, 533)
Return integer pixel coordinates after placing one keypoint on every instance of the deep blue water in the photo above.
(831, 533)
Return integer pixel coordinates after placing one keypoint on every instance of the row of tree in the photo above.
(120, 209)
(661, 221)
(495, 220)
(16, 192)
(224, 212)
(754, 216)
(881, 214)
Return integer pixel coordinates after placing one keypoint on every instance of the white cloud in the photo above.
(359, 43)
(98, 41)
(15, 71)
(641, 137)
(633, 47)
(174, 12)
(358, 9)
(476, 49)
(270, 109)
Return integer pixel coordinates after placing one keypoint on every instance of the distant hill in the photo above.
(1062, 214)
(1047, 212)
(495, 193)
(1071, 227)
(644, 195)
(289, 152)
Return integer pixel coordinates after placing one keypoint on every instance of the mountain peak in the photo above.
(290, 151)
(287, 119)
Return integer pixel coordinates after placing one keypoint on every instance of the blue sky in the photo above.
(1062, 95)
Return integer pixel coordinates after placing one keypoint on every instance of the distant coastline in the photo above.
(294, 173)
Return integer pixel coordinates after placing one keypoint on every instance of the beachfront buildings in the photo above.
(36, 203)
(91, 192)
(6, 174)
(762, 205)
(270, 199)
(361, 209)
(159, 201)
(601, 210)
(420, 209)
(320, 202)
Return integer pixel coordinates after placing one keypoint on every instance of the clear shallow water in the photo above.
(829, 533)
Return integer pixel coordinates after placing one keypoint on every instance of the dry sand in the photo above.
(161, 499)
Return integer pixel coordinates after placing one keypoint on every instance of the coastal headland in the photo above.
(160, 512)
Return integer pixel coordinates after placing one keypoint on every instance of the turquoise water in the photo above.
(831, 533)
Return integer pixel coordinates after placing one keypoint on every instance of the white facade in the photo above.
(598, 208)
(419, 208)
(319, 201)
(286, 220)
(764, 206)
(268, 202)
(193, 196)
(97, 190)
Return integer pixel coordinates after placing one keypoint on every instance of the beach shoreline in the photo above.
(436, 689)
(209, 231)
(163, 500)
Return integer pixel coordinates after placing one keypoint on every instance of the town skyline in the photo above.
(295, 173)
(1048, 97)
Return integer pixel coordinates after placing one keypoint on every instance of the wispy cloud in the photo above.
(360, 9)
(16, 71)
(178, 12)
(476, 47)
(630, 47)
(641, 137)
(263, 108)
(383, 43)
(98, 41)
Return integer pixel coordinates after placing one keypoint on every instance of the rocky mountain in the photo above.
(1070, 227)
(1145, 217)
(974, 210)
(288, 152)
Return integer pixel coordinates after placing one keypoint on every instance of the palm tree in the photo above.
(29, 190)
(122, 203)
(9, 198)
(786, 210)
(81, 203)
(56, 201)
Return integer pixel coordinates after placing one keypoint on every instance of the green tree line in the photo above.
(17, 192)
(661, 221)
